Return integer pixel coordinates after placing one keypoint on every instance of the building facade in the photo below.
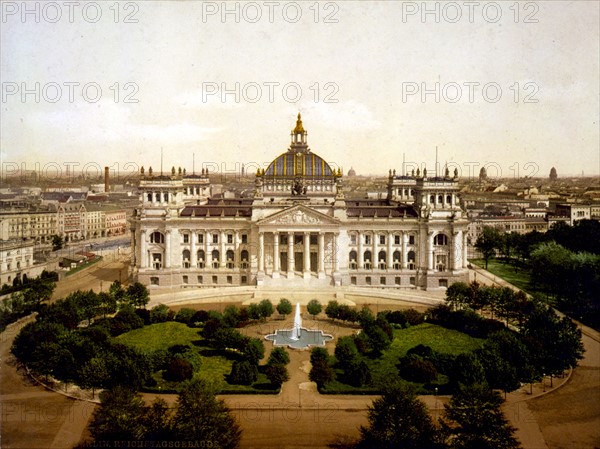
(16, 261)
(299, 229)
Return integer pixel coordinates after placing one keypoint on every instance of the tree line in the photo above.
(563, 263)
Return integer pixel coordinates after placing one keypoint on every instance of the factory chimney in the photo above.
(106, 184)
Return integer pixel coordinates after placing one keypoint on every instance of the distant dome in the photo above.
(292, 164)
(351, 172)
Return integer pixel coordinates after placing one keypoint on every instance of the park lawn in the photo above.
(518, 277)
(383, 369)
(213, 366)
(159, 336)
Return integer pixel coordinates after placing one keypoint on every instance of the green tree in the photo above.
(57, 242)
(278, 356)
(277, 374)
(314, 307)
(231, 316)
(119, 417)
(346, 351)
(178, 370)
(476, 420)
(138, 295)
(488, 242)
(254, 350)
(200, 416)
(398, 420)
(160, 314)
(284, 307)
(265, 308)
(321, 372)
(243, 373)
(332, 310)
(94, 374)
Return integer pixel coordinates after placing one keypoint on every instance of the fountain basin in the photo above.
(305, 338)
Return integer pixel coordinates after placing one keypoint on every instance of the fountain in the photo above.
(298, 337)
(297, 324)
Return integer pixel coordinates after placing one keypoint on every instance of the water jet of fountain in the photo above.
(297, 324)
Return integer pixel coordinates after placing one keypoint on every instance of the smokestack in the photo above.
(106, 184)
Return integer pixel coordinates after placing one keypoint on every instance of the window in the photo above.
(215, 238)
(157, 237)
(200, 280)
(367, 239)
(154, 280)
(245, 257)
(411, 239)
(397, 240)
(313, 239)
(353, 239)
(382, 239)
(396, 257)
(185, 280)
(200, 238)
(412, 280)
(381, 263)
(397, 280)
(244, 279)
(432, 199)
(283, 239)
(186, 238)
(157, 261)
(201, 258)
(165, 197)
(440, 262)
(440, 199)
(440, 240)
(186, 258)
(230, 280)
(230, 238)
(244, 238)
(230, 258)
(449, 199)
(382, 280)
(368, 280)
(149, 197)
(215, 280)
(353, 256)
(353, 280)
(443, 283)
(367, 259)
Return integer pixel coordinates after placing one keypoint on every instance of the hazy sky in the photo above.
(517, 83)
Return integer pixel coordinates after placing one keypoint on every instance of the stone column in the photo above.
(222, 257)
(207, 255)
(465, 262)
(236, 249)
(404, 250)
(321, 256)
(336, 254)
(291, 260)
(193, 255)
(390, 252)
(430, 251)
(454, 253)
(375, 256)
(168, 248)
(261, 252)
(307, 255)
(143, 249)
(275, 255)
(361, 257)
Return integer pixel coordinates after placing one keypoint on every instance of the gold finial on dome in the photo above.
(299, 128)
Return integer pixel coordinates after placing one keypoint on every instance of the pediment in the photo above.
(299, 215)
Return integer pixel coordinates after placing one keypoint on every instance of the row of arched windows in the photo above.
(215, 258)
(381, 260)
